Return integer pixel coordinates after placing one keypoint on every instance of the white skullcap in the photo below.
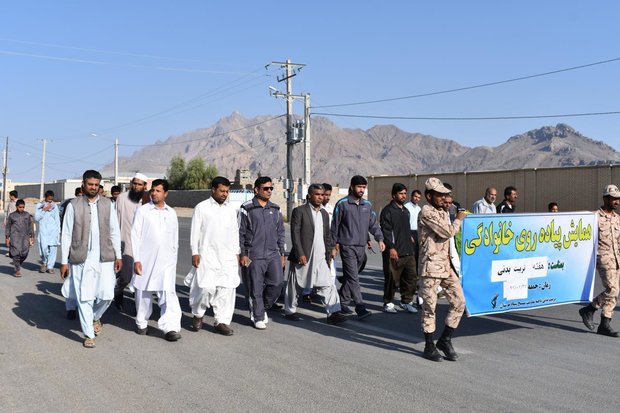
(141, 177)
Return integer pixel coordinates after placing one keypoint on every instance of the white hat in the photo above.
(612, 191)
(141, 177)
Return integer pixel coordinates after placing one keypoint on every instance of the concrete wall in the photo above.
(573, 188)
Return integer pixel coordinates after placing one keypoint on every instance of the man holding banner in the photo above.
(436, 270)
(607, 263)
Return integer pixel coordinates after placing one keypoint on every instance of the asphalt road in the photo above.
(539, 361)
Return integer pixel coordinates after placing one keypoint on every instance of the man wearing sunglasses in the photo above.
(262, 243)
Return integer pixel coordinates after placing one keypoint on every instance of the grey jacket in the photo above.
(81, 230)
(302, 233)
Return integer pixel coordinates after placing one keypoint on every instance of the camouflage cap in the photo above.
(612, 191)
(435, 184)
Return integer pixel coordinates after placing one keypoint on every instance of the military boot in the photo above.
(605, 328)
(587, 316)
(430, 351)
(445, 344)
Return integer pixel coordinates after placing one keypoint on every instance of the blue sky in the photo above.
(69, 69)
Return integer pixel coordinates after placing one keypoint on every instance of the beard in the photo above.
(135, 196)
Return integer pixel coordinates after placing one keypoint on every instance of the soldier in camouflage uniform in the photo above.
(435, 269)
(607, 263)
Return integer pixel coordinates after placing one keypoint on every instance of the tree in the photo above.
(211, 173)
(176, 172)
(196, 174)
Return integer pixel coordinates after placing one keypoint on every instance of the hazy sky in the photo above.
(142, 71)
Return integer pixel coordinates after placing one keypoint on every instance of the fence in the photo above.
(577, 188)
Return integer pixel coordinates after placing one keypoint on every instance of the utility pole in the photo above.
(290, 140)
(116, 161)
(307, 174)
(42, 170)
(5, 170)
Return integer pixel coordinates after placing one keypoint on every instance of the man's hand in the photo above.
(283, 261)
(137, 267)
(64, 271)
(196, 261)
(461, 215)
(334, 252)
(303, 260)
(118, 264)
(393, 254)
(381, 246)
(244, 261)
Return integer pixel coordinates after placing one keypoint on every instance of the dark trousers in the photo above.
(402, 273)
(352, 257)
(416, 245)
(18, 260)
(264, 279)
(123, 277)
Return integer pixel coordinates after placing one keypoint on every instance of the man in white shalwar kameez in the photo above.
(215, 248)
(90, 255)
(310, 258)
(155, 242)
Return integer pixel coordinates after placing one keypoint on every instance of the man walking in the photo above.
(486, 205)
(399, 264)
(507, 206)
(607, 263)
(353, 219)
(127, 204)
(262, 245)
(435, 269)
(414, 211)
(310, 257)
(214, 240)
(90, 255)
(19, 235)
(9, 208)
(48, 218)
(155, 242)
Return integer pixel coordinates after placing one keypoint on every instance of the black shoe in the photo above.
(142, 331)
(605, 329)
(445, 344)
(172, 336)
(71, 314)
(587, 316)
(196, 323)
(223, 329)
(275, 307)
(430, 351)
(362, 312)
(292, 317)
(336, 318)
(345, 309)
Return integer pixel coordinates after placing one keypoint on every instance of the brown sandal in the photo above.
(89, 342)
(97, 327)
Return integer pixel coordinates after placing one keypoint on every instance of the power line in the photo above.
(443, 118)
(460, 89)
(134, 66)
(210, 136)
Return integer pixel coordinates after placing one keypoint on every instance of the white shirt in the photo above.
(414, 210)
(215, 237)
(155, 242)
(481, 206)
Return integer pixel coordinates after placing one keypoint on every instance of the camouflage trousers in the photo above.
(606, 300)
(454, 294)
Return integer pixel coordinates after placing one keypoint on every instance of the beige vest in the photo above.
(81, 230)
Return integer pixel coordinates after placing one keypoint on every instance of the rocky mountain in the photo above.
(338, 153)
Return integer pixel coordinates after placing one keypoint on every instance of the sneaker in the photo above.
(260, 325)
(408, 307)
(389, 308)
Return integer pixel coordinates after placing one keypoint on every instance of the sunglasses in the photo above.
(267, 188)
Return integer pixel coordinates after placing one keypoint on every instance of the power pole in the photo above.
(5, 170)
(290, 140)
(307, 174)
(42, 170)
(116, 161)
